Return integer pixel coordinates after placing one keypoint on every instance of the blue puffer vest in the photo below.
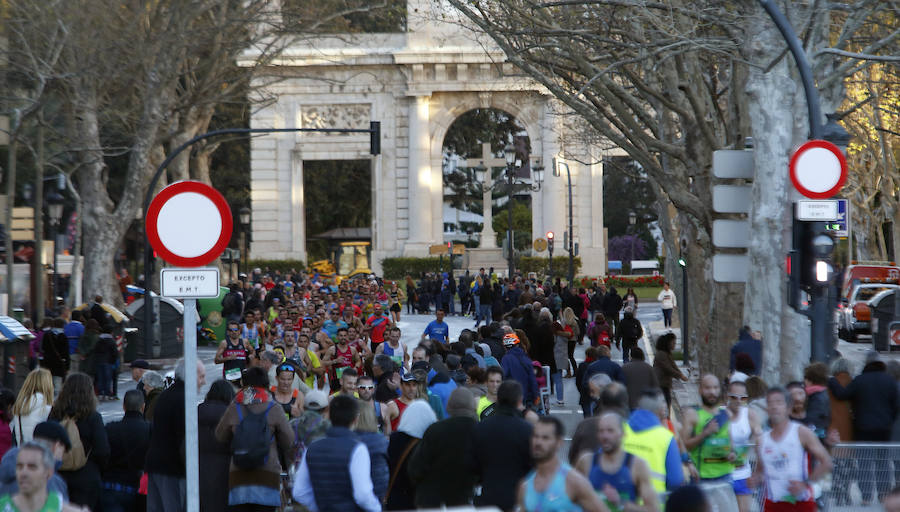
(328, 459)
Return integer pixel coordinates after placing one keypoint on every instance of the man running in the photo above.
(394, 348)
(35, 465)
(706, 434)
(233, 353)
(621, 478)
(552, 486)
(783, 459)
(341, 355)
(376, 325)
(437, 329)
(409, 389)
(745, 430)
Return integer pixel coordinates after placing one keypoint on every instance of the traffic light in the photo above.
(809, 264)
(550, 242)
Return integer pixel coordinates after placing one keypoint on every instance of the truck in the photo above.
(861, 282)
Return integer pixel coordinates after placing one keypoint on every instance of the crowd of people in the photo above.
(320, 406)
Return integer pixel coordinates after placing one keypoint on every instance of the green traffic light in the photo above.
(682, 262)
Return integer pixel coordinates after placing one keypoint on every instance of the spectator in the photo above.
(256, 487)
(76, 402)
(311, 425)
(105, 355)
(7, 398)
(376, 443)
(165, 469)
(154, 385)
(438, 464)
(55, 348)
(517, 366)
(501, 454)
(129, 439)
(639, 376)
(86, 348)
(32, 405)
(73, 331)
(665, 366)
(818, 406)
(417, 417)
(138, 368)
(689, 498)
(750, 343)
(215, 456)
(630, 331)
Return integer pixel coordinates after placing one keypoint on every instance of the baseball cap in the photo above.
(315, 400)
(420, 365)
(53, 431)
(140, 363)
(408, 377)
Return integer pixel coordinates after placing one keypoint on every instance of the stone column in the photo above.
(488, 237)
(420, 179)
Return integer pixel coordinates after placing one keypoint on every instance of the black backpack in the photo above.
(252, 438)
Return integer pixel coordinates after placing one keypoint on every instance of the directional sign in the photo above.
(841, 225)
(822, 210)
(189, 223)
(190, 283)
(818, 169)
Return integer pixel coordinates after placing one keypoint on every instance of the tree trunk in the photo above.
(777, 115)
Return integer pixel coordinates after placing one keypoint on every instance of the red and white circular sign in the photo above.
(189, 224)
(818, 169)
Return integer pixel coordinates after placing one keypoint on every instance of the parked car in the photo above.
(854, 312)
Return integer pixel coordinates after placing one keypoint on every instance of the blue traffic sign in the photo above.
(840, 227)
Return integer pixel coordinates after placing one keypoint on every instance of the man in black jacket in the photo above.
(612, 305)
(166, 490)
(501, 452)
(129, 439)
(438, 464)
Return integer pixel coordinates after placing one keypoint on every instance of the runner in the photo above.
(783, 459)
(620, 478)
(233, 353)
(486, 403)
(395, 349)
(437, 329)
(341, 356)
(409, 388)
(706, 434)
(377, 324)
(745, 430)
(552, 486)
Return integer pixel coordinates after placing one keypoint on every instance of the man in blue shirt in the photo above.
(73, 331)
(437, 329)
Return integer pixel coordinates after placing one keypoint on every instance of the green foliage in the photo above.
(283, 266)
(538, 265)
(399, 268)
(521, 224)
(229, 166)
(472, 129)
(337, 195)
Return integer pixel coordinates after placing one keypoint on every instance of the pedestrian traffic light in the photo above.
(809, 263)
(550, 242)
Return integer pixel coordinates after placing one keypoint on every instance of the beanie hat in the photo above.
(461, 403)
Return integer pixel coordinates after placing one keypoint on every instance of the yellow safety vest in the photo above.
(652, 445)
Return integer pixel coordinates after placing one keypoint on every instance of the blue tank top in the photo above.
(621, 480)
(554, 499)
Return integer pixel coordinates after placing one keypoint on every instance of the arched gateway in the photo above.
(416, 84)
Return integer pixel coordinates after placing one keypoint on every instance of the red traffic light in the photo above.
(549, 235)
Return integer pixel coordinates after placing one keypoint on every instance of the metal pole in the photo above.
(509, 222)
(37, 268)
(571, 276)
(685, 337)
(550, 259)
(374, 132)
(191, 455)
(10, 201)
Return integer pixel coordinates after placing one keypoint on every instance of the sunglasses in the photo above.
(234, 329)
(366, 386)
(738, 397)
(285, 368)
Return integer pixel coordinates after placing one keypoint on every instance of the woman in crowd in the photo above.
(32, 405)
(377, 444)
(665, 366)
(76, 402)
(215, 456)
(417, 417)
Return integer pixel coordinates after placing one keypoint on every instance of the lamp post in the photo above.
(550, 253)
(632, 219)
(509, 152)
(682, 262)
(54, 212)
(570, 246)
(244, 218)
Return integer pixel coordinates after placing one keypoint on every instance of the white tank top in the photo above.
(784, 460)
(740, 441)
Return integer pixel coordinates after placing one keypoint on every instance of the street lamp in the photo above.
(509, 152)
(632, 219)
(54, 212)
(244, 218)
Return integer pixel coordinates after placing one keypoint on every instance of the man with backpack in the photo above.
(630, 331)
(257, 429)
(335, 471)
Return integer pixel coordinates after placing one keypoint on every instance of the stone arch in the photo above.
(527, 107)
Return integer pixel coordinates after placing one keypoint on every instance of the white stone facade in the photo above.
(416, 84)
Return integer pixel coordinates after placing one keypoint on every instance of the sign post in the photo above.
(189, 224)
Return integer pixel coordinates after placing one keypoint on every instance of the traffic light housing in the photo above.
(550, 242)
(809, 263)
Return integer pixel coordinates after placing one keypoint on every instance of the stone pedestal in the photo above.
(485, 258)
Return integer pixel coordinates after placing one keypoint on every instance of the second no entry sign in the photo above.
(189, 224)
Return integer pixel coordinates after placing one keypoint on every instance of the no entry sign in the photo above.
(818, 169)
(189, 224)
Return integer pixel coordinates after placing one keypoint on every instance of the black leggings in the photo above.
(571, 349)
